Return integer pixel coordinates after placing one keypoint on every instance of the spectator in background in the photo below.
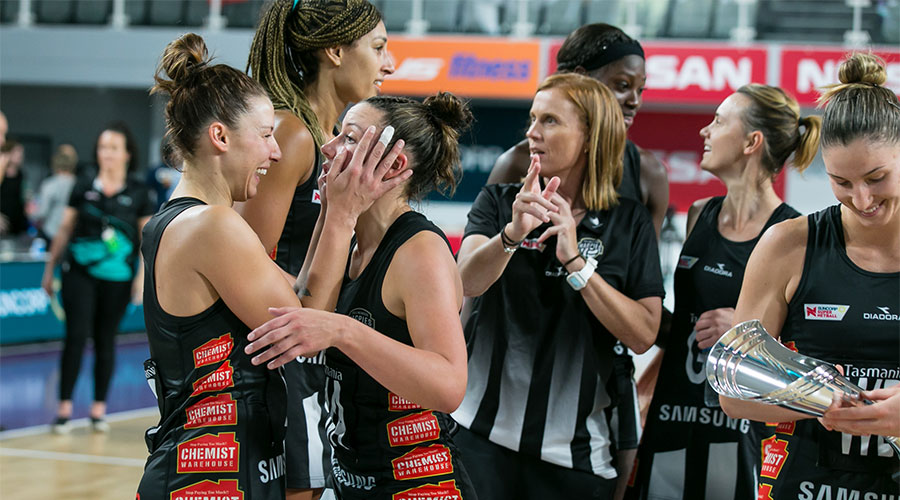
(53, 195)
(162, 178)
(12, 197)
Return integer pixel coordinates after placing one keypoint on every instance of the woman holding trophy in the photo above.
(828, 286)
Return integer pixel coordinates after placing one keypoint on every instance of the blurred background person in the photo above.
(97, 244)
(13, 221)
(53, 194)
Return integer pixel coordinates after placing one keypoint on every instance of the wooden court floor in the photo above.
(82, 465)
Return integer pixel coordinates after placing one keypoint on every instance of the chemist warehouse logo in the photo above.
(884, 314)
(825, 312)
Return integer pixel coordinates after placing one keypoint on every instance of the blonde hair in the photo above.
(860, 107)
(605, 134)
(283, 55)
(776, 114)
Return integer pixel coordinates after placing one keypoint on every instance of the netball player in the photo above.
(313, 57)
(753, 133)
(829, 286)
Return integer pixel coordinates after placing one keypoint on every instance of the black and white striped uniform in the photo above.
(540, 363)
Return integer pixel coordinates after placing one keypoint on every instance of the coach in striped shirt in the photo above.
(560, 268)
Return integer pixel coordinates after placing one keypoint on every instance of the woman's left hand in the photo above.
(295, 331)
(564, 228)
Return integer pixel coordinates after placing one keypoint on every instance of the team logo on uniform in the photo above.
(209, 453)
(413, 429)
(825, 312)
(687, 262)
(363, 316)
(213, 351)
(424, 461)
(226, 489)
(884, 314)
(590, 247)
(221, 378)
(396, 403)
(719, 270)
(765, 492)
(212, 411)
(774, 454)
(446, 490)
(316, 197)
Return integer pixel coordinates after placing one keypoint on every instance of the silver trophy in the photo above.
(747, 363)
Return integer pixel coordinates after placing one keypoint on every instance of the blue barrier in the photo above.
(27, 314)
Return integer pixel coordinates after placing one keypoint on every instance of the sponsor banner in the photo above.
(413, 429)
(774, 454)
(805, 70)
(446, 490)
(396, 403)
(226, 489)
(434, 460)
(221, 378)
(466, 66)
(702, 73)
(674, 138)
(212, 411)
(213, 351)
(825, 312)
(209, 453)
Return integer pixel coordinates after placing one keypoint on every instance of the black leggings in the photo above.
(94, 308)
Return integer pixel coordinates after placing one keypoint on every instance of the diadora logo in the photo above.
(595, 221)
(884, 315)
(590, 247)
(687, 262)
(825, 312)
(719, 269)
(316, 197)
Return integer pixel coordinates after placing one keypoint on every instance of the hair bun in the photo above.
(863, 68)
(450, 110)
(184, 56)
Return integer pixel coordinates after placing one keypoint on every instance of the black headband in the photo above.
(613, 52)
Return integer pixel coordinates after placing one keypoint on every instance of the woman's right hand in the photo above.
(353, 184)
(532, 205)
(47, 280)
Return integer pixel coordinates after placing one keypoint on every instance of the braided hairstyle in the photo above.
(284, 53)
(860, 107)
(588, 43)
(199, 92)
(431, 131)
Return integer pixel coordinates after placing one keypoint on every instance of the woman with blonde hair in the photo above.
(829, 286)
(560, 268)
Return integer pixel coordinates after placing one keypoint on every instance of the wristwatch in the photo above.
(579, 279)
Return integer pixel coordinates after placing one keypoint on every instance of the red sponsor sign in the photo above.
(209, 453)
(805, 70)
(212, 411)
(221, 378)
(213, 351)
(695, 73)
(413, 429)
(774, 454)
(675, 140)
(226, 489)
(434, 460)
(446, 490)
(467, 66)
(396, 403)
(765, 492)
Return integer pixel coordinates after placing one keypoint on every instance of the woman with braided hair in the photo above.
(313, 57)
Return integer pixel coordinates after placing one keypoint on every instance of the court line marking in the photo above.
(72, 457)
(79, 423)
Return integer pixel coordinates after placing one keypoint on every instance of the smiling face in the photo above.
(112, 153)
(626, 78)
(364, 65)
(724, 139)
(865, 178)
(358, 119)
(557, 133)
(252, 149)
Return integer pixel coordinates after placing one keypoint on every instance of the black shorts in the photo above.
(308, 454)
(498, 473)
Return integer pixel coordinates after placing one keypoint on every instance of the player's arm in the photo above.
(511, 166)
(654, 187)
